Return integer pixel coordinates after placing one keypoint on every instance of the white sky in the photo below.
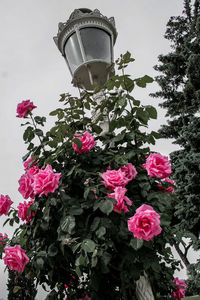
(31, 67)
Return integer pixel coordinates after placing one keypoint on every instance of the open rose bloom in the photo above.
(145, 224)
(15, 258)
(122, 200)
(5, 203)
(23, 211)
(24, 108)
(113, 179)
(180, 289)
(87, 141)
(45, 181)
(26, 186)
(130, 172)
(157, 165)
(119, 178)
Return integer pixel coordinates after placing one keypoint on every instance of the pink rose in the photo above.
(5, 236)
(113, 179)
(180, 289)
(170, 189)
(157, 165)
(32, 171)
(23, 211)
(45, 181)
(145, 224)
(5, 203)
(29, 163)
(25, 186)
(119, 196)
(24, 108)
(15, 258)
(130, 171)
(87, 141)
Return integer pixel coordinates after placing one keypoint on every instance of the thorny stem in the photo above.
(126, 88)
(182, 255)
(35, 126)
(131, 106)
(35, 129)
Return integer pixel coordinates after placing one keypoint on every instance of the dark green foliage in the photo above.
(20, 287)
(193, 286)
(179, 81)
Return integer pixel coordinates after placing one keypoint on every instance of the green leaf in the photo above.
(78, 272)
(88, 245)
(119, 137)
(142, 81)
(22, 241)
(28, 134)
(156, 135)
(16, 289)
(52, 250)
(39, 263)
(80, 261)
(136, 244)
(106, 206)
(142, 115)
(40, 120)
(87, 105)
(151, 111)
(101, 232)
(78, 143)
(112, 125)
(6, 221)
(60, 115)
(96, 128)
(68, 224)
(54, 112)
(165, 219)
(75, 211)
(127, 57)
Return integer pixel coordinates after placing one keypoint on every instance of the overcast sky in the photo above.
(31, 67)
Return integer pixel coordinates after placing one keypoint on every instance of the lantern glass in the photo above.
(73, 52)
(96, 43)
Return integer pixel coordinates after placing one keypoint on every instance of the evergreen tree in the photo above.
(179, 81)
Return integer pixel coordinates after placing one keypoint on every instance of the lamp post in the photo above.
(86, 41)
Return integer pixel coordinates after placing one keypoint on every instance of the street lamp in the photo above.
(86, 41)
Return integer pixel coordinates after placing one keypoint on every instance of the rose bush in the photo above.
(82, 219)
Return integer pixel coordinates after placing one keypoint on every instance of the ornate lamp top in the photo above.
(81, 17)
